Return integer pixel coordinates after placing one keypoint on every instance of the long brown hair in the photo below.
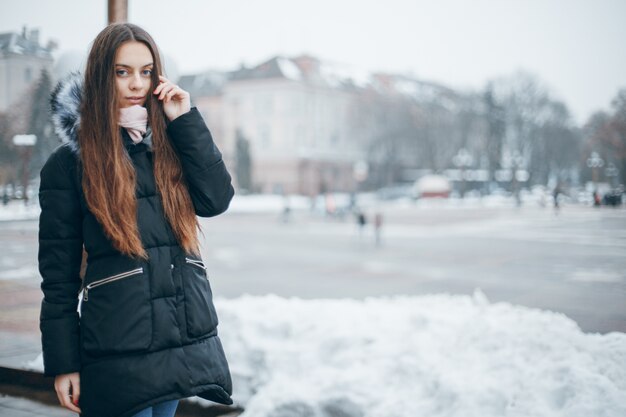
(108, 173)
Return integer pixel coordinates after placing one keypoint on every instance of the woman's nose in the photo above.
(135, 82)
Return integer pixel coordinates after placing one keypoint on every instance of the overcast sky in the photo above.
(577, 47)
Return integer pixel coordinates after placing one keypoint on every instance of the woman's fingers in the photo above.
(164, 82)
(164, 89)
(172, 93)
(175, 100)
(59, 387)
(58, 391)
(62, 387)
(169, 91)
(68, 404)
(75, 389)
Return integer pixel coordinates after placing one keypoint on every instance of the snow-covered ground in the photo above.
(435, 356)
(271, 203)
(17, 210)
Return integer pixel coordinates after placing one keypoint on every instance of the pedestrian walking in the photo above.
(286, 212)
(137, 165)
(361, 221)
(555, 196)
(378, 224)
(596, 199)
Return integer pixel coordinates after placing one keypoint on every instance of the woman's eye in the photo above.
(147, 72)
(121, 72)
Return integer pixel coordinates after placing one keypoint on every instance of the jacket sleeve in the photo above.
(207, 177)
(60, 254)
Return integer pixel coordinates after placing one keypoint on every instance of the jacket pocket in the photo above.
(116, 314)
(199, 309)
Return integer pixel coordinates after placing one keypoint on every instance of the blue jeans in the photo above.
(164, 409)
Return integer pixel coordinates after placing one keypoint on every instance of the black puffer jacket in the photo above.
(146, 332)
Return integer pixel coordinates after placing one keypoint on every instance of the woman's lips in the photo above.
(135, 99)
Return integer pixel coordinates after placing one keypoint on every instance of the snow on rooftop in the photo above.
(338, 74)
(289, 68)
(408, 87)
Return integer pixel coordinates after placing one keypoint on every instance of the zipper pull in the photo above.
(85, 296)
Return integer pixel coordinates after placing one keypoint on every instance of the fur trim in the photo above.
(65, 104)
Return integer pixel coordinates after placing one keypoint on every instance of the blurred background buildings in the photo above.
(301, 125)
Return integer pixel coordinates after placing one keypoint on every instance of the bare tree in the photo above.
(605, 134)
(496, 125)
(39, 124)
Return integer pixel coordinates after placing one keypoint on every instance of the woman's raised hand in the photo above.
(67, 387)
(176, 101)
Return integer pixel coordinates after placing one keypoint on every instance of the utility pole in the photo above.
(118, 11)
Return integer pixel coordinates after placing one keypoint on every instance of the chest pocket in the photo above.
(116, 313)
(200, 312)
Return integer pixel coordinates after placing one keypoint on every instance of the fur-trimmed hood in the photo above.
(65, 103)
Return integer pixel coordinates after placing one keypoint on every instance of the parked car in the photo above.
(394, 192)
(430, 186)
(613, 198)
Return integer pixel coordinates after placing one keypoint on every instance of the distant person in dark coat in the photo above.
(361, 221)
(555, 196)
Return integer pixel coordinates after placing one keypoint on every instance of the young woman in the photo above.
(137, 166)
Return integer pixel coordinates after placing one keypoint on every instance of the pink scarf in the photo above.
(135, 120)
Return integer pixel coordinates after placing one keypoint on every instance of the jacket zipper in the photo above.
(111, 279)
(196, 263)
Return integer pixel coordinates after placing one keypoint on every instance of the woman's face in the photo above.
(133, 73)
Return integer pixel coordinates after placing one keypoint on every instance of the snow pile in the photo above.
(437, 355)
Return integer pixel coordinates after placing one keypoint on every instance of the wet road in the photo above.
(572, 263)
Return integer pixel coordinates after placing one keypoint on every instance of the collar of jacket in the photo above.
(128, 142)
(65, 104)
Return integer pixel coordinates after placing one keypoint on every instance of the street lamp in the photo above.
(594, 162)
(360, 172)
(462, 160)
(611, 171)
(27, 143)
(515, 162)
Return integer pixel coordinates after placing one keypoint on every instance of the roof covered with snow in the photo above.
(419, 90)
(303, 68)
(208, 83)
(12, 43)
(314, 71)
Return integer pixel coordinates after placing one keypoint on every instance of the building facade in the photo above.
(298, 121)
(311, 129)
(22, 58)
